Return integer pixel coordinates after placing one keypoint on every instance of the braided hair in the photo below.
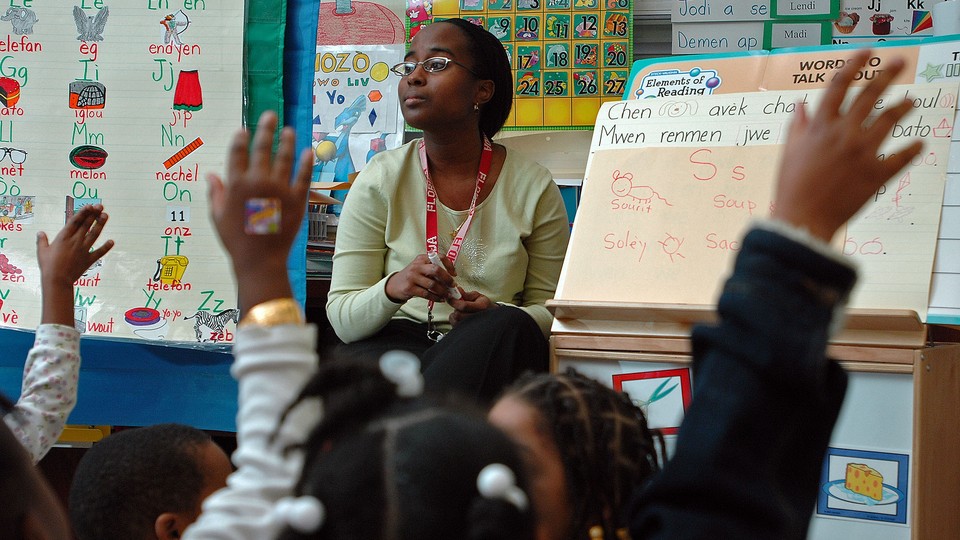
(401, 468)
(604, 442)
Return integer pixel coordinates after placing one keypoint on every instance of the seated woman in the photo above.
(384, 461)
(495, 221)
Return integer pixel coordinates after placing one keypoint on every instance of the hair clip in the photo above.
(497, 481)
(403, 369)
(303, 514)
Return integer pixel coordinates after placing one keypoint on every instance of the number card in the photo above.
(568, 56)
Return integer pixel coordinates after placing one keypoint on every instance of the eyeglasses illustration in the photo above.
(430, 65)
(17, 156)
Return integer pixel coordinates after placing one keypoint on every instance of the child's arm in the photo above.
(274, 351)
(51, 371)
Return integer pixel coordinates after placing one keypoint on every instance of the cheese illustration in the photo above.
(864, 480)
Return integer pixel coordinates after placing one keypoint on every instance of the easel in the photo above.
(887, 343)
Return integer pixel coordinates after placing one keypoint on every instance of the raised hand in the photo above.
(258, 210)
(831, 165)
(63, 261)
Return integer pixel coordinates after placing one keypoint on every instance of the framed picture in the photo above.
(864, 485)
(663, 395)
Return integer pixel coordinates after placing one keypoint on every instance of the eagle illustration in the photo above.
(90, 28)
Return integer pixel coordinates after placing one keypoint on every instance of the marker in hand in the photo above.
(435, 259)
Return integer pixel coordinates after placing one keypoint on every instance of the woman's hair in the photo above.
(604, 442)
(489, 62)
(403, 468)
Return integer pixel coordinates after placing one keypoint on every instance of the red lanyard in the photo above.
(486, 158)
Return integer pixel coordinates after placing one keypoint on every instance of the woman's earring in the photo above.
(476, 107)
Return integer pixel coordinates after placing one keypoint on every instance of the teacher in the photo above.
(494, 219)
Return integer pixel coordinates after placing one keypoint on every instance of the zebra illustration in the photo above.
(214, 321)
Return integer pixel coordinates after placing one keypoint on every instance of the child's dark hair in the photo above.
(129, 478)
(489, 62)
(403, 468)
(603, 439)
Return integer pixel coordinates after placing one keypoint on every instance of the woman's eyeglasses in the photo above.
(430, 65)
(17, 156)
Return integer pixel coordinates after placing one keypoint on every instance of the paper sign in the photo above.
(930, 60)
(718, 37)
(671, 184)
(692, 11)
(128, 106)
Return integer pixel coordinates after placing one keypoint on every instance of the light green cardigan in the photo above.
(512, 253)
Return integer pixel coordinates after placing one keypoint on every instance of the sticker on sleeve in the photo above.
(262, 216)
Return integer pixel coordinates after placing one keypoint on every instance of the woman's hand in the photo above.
(421, 279)
(258, 211)
(468, 304)
(831, 165)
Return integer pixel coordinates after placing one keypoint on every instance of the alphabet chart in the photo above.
(126, 104)
(568, 56)
(672, 184)
(930, 60)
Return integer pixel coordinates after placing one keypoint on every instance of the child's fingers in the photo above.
(95, 230)
(866, 100)
(262, 145)
(881, 127)
(216, 193)
(283, 161)
(899, 160)
(833, 97)
(42, 241)
(100, 252)
(238, 158)
(86, 225)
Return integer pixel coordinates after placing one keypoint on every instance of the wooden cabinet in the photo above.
(901, 412)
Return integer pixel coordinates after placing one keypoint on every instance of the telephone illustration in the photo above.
(170, 269)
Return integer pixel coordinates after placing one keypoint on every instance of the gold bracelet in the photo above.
(274, 313)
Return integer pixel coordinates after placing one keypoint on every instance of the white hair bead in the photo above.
(303, 514)
(402, 368)
(497, 481)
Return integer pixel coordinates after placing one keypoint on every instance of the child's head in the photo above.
(587, 446)
(489, 60)
(386, 463)
(28, 507)
(145, 482)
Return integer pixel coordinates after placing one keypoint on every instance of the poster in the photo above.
(672, 185)
(356, 110)
(356, 107)
(131, 106)
(931, 60)
(568, 56)
(865, 485)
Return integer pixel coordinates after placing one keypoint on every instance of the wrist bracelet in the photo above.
(274, 313)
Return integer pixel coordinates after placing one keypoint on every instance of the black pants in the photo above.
(476, 360)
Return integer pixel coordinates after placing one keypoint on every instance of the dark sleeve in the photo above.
(749, 452)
